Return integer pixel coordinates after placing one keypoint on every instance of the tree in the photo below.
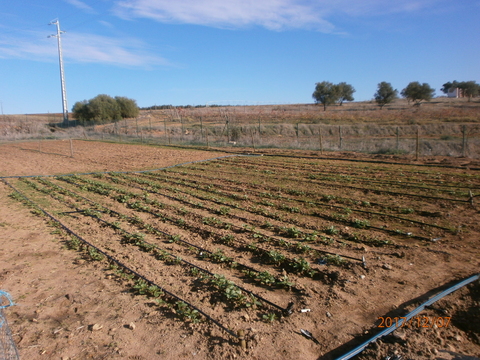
(326, 93)
(345, 92)
(103, 108)
(128, 107)
(449, 85)
(469, 89)
(385, 94)
(417, 92)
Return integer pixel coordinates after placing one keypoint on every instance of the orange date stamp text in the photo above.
(416, 321)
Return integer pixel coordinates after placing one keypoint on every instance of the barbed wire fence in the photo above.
(8, 350)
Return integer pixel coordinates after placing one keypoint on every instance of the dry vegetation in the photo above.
(447, 127)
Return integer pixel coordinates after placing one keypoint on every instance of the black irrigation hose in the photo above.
(407, 317)
(283, 310)
(68, 230)
(333, 206)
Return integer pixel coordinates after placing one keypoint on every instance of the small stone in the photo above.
(458, 338)
(400, 334)
(328, 314)
(96, 327)
(362, 277)
(387, 267)
(246, 317)
(131, 326)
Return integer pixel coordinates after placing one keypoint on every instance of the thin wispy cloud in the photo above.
(81, 48)
(81, 5)
(271, 14)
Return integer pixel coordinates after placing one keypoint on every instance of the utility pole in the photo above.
(62, 75)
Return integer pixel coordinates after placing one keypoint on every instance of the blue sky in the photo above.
(229, 51)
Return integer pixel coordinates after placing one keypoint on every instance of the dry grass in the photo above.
(359, 126)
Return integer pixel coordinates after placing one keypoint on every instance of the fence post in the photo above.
(320, 140)
(71, 148)
(418, 144)
(165, 129)
(296, 132)
(398, 142)
(464, 143)
(253, 140)
(340, 136)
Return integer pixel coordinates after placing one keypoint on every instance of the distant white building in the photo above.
(454, 93)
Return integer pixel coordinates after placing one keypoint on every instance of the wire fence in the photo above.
(458, 140)
(8, 350)
(431, 139)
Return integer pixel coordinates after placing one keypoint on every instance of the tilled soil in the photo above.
(72, 307)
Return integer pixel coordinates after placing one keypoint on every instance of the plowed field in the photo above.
(120, 261)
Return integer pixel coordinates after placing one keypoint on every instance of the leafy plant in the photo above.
(275, 257)
(266, 278)
(227, 239)
(285, 282)
(361, 224)
(94, 254)
(301, 265)
(334, 259)
(186, 312)
(270, 317)
(331, 230)
(220, 257)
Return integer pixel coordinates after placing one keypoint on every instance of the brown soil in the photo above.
(69, 307)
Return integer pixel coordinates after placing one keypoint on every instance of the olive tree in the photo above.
(103, 108)
(345, 92)
(385, 94)
(326, 93)
(417, 92)
(128, 107)
(469, 89)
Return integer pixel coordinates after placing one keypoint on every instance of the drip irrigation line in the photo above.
(68, 230)
(238, 217)
(77, 210)
(407, 317)
(329, 205)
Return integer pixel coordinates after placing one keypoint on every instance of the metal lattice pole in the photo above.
(62, 74)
